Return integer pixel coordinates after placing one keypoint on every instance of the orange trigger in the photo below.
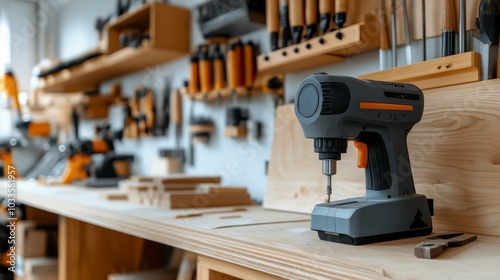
(362, 154)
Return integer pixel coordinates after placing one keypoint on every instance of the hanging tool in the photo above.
(219, 68)
(273, 22)
(461, 27)
(233, 68)
(326, 11)
(205, 69)
(406, 21)
(377, 116)
(194, 82)
(486, 39)
(340, 16)
(122, 7)
(250, 64)
(240, 54)
(384, 36)
(394, 42)
(163, 116)
(176, 109)
(434, 246)
(8, 85)
(286, 35)
(99, 25)
(424, 32)
(449, 28)
(297, 20)
(311, 18)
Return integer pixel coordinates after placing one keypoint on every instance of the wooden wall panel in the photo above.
(454, 151)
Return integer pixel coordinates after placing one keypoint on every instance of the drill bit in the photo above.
(329, 169)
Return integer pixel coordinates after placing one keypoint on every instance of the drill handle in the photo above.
(388, 165)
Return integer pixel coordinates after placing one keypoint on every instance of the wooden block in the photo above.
(160, 274)
(88, 252)
(235, 131)
(445, 71)
(214, 269)
(42, 268)
(31, 241)
(454, 155)
(213, 197)
(166, 166)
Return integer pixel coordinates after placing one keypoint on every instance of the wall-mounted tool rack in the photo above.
(322, 50)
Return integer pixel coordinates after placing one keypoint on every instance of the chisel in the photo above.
(424, 32)
(286, 35)
(326, 11)
(461, 28)
(240, 54)
(297, 20)
(273, 24)
(340, 16)
(449, 28)
(311, 18)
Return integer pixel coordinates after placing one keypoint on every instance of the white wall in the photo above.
(240, 162)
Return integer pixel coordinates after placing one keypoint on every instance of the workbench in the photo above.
(283, 249)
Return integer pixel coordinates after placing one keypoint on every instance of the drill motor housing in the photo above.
(377, 115)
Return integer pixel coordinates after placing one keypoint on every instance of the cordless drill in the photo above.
(377, 116)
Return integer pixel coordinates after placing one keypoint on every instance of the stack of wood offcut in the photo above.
(181, 192)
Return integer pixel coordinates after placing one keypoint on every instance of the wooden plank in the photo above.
(445, 71)
(41, 268)
(207, 266)
(90, 252)
(454, 154)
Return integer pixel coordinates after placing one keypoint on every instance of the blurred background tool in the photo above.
(326, 10)
(461, 26)
(394, 42)
(205, 69)
(273, 22)
(286, 35)
(250, 64)
(194, 82)
(486, 38)
(406, 22)
(311, 18)
(424, 32)
(340, 16)
(219, 68)
(297, 20)
(449, 24)
(163, 112)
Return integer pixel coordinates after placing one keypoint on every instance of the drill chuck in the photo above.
(330, 148)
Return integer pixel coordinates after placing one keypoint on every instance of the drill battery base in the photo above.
(362, 220)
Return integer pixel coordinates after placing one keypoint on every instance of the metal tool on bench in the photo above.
(486, 39)
(434, 246)
(377, 116)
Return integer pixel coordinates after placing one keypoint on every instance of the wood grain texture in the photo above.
(454, 151)
(286, 249)
(440, 72)
(214, 269)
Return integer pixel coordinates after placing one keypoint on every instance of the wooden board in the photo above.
(445, 71)
(162, 274)
(454, 153)
(214, 269)
(41, 268)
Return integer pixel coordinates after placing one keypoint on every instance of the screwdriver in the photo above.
(326, 12)
(311, 18)
(286, 35)
(297, 20)
(449, 28)
(340, 16)
(273, 24)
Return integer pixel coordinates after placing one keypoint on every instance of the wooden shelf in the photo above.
(440, 72)
(322, 50)
(156, 19)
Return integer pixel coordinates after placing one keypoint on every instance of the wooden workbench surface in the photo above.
(287, 248)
